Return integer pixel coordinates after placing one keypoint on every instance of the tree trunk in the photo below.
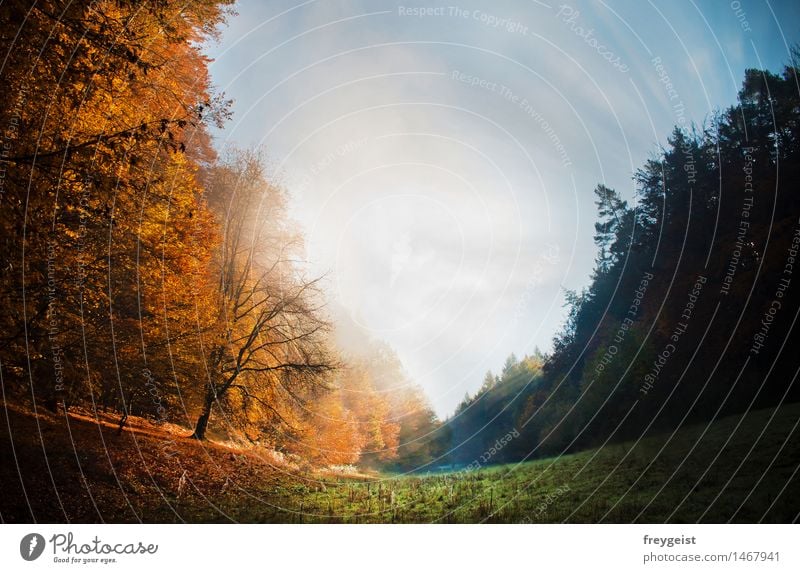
(202, 421)
(126, 409)
(122, 421)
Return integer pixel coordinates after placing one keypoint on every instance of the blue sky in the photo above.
(441, 157)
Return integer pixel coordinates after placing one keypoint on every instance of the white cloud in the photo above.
(431, 200)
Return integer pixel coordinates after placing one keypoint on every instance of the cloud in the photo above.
(433, 159)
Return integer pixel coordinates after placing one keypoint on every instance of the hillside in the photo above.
(726, 471)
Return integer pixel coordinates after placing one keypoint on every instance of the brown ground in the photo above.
(75, 468)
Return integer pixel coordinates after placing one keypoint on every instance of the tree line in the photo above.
(690, 311)
(145, 274)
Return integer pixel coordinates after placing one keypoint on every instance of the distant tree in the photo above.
(612, 222)
(510, 363)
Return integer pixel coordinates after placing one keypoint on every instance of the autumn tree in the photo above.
(371, 407)
(396, 422)
(101, 211)
(268, 351)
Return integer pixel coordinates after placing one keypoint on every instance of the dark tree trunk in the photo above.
(122, 422)
(126, 409)
(202, 420)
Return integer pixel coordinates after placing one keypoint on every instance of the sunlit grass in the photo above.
(208, 482)
(620, 483)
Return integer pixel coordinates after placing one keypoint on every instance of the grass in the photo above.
(726, 471)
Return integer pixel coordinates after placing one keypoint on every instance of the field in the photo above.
(726, 471)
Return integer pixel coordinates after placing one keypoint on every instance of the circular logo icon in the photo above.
(31, 546)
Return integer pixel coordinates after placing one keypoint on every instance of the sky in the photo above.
(441, 158)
